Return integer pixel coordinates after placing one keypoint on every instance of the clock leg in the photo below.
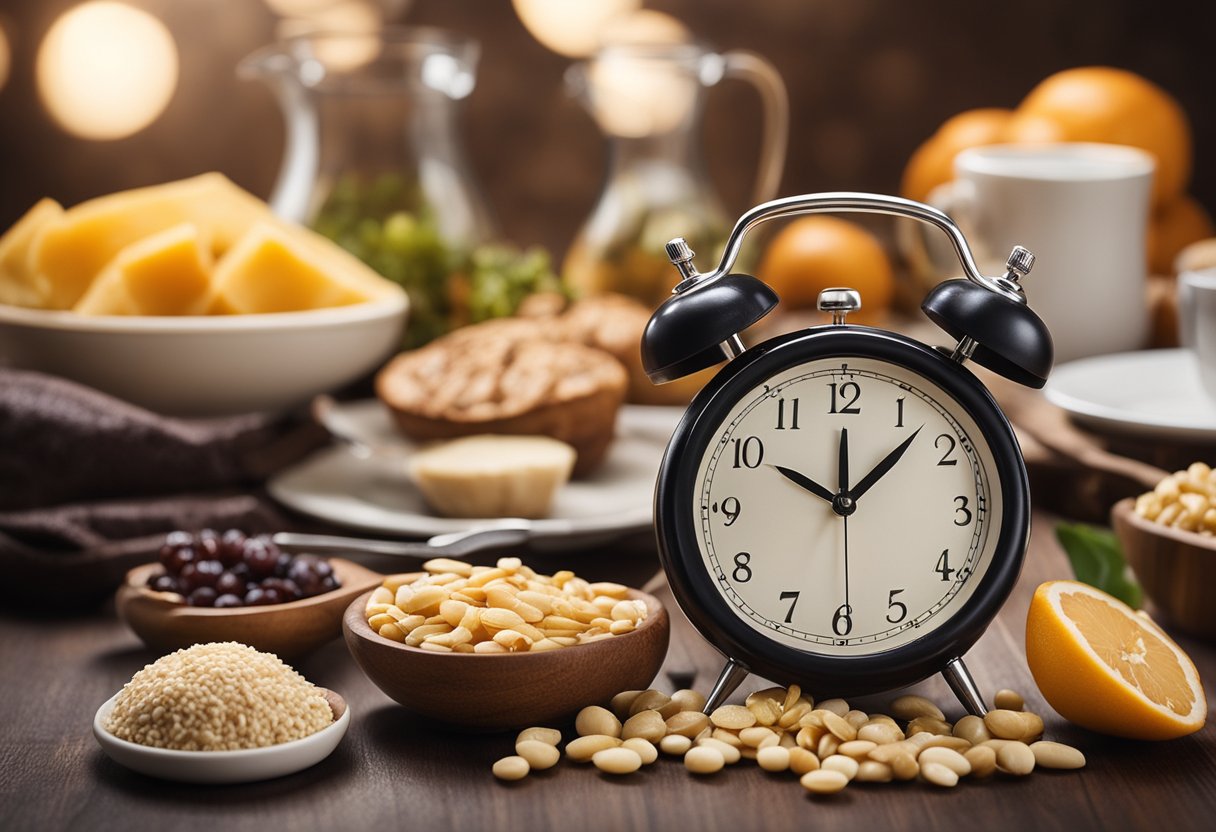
(731, 677)
(958, 677)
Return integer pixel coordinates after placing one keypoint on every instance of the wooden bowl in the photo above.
(1176, 568)
(287, 630)
(498, 691)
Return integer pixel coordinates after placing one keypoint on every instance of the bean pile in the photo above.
(506, 608)
(827, 745)
(1185, 500)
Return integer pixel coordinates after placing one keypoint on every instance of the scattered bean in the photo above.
(773, 758)
(675, 744)
(905, 767)
(802, 761)
(857, 749)
(617, 760)
(540, 755)
(582, 749)
(688, 700)
(1016, 758)
(643, 748)
(972, 729)
(511, 768)
(704, 759)
(729, 752)
(1057, 755)
(823, 781)
(733, 717)
(596, 720)
(648, 725)
(938, 775)
(1009, 700)
(688, 723)
(982, 760)
(947, 757)
(911, 706)
(842, 765)
(622, 701)
(549, 735)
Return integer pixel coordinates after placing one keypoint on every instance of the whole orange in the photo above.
(933, 162)
(1103, 104)
(1174, 227)
(816, 253)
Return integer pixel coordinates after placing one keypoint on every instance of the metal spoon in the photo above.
(510, 532)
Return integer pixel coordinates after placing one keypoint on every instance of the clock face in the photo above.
(846, 506)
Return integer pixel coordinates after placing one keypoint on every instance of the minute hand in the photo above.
(867, 482)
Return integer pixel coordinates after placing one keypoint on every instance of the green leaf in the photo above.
(1097, 560)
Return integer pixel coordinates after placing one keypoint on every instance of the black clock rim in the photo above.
(711, 614)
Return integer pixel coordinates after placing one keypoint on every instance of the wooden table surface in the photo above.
(395, 771)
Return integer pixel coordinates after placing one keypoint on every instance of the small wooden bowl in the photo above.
(498, 691)
(287, 630)
(1176, 568)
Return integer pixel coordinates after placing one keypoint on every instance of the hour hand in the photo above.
(803, 481)
(888, 462)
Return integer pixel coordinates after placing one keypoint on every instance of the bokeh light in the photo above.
(645, 26)
(353, 22)
(571, 27)
(106, 70)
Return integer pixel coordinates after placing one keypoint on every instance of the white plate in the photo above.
(378, 496)
(246, 766)
(1152, 393)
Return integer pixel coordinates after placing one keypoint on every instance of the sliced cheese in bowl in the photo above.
(168, 273)
(19, 284)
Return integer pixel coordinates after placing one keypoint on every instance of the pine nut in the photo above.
(511, 768)
(648, 725)
(793, 716)
(802, 761)
(842, 765)
(582, 749)
(550, 735)
(688, 700)
(1008, 700)
(870, 771)
(879, 733)
(729, 752)
(905, 767)
(947, 757)
(828, 744)
(1013, 725)
(596, 720)
(857, 749)
(728, 737)
(911, 706)
(1057, 755)
(734, 717)
(823, 781)
(982, 760)
(943, 741)
(972, 729)
(774, 758)
(755, 735)
(939, 775)
(621, 702)
(540, 755)
(649, 700)
(836, 706)
(704, 759)
(678, 745)
(687, 723)
(839, 727)
(857, 718)
(643, 748)
(929, 725)
(617, 760)
(1016, 758)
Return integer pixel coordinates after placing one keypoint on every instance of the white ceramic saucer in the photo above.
(246, 766)
(1153, 393)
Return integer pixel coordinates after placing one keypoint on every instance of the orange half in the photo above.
(1105, 667)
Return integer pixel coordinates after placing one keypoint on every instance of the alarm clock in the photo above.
(842, 506)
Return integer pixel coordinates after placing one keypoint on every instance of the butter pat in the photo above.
(493, 476)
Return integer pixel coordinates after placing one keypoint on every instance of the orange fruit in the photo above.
(816, 253)
(1102, 104)
(1174, 227)
(1105, 667)
(933, 162)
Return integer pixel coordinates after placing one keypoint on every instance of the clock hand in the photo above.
(842, 462)
(803, 481)
(888, 462)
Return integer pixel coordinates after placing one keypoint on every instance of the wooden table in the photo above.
(394, 771)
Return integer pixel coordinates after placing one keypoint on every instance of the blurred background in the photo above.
(868, 81)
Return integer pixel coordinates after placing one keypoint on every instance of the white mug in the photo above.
(1197, 322)
(1083, 210)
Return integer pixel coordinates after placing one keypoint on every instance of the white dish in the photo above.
(207, 365)
(1150, 393)
(377, 495)
(246, 766)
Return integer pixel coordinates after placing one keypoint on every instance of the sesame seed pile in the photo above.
(218, 697)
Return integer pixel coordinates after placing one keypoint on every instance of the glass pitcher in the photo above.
(373, 156)
(649, 101)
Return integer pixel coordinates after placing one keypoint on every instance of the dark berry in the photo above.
(204, 596)
(230, 584)
(256, 597)
(179, 539)
(283, 565)
(228, 600)
(163, 583)
(207, 543)
(201, 573)
(287, 589)
(261, 558)
(232, 547)
(175, 558)
(272, 596)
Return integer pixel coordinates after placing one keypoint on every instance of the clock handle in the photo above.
(729, 679)
(959, 678)
(848, 202)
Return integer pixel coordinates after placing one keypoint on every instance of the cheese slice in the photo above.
(273, 270)
(72, 252)
(20, 284)
(165, 274)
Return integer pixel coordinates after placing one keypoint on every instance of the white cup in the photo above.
(1197, 322)
(1083, 210)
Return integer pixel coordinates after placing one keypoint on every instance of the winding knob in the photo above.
(1020, 262)
(839, 302)
(680, 253)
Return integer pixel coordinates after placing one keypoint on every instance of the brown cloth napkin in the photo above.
(89, 484)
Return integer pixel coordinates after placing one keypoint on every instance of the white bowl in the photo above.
(219, 766)
(207, 365)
